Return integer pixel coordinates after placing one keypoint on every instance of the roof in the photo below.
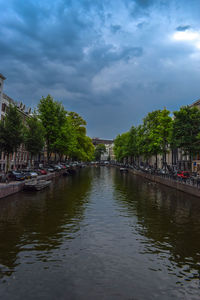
(6, 97)
(97, 141)
(197, 102)
(3, 77)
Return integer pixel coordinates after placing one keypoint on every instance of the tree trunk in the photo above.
(8, 162)
(31, 160)
(156, 161)
(15, 160)
(165, 160)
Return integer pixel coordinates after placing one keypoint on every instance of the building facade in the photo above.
(2, 78)
(196, 158)
(109, 144)
(20, 159)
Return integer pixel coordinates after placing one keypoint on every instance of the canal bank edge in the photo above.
(165, 181)
(15, 187)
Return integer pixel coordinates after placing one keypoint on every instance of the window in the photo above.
(3, 107)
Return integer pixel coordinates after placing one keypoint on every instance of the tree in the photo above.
(52, 114)
(164, 129)
(152, 137)
(66, 141)
(34, 136)
(132, 143)
(86, 148)
(83, 149)
(121, 146)
(99, 150)
(156, 133)
(186, 129)
(11, 132)
(76, 119)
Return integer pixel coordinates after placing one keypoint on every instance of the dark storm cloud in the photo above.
(111, 61)
(183, 28)
(115, 28)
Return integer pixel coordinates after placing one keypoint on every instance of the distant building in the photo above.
(109, 144)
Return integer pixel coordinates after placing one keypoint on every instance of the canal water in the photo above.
(100, 235)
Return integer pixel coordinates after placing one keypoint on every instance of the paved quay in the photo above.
(7, 189)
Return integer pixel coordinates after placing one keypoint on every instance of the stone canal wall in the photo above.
(15, 187)
(181, 186)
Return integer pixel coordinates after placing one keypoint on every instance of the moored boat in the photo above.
(125, 170)
(36, 185)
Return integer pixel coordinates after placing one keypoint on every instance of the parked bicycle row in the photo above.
(186, 177)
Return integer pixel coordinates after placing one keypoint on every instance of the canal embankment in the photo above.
(7, 189)
(178, 185)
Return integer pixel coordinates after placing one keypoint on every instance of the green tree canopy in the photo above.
(99, 150)
(83, 148)
(150, 138)
(11, 132)
(121, 146)
(186, 129)
(34, 135)
(52, 114)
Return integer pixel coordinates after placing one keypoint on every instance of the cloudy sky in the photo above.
(112, 61)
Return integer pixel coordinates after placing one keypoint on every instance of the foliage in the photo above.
(66, 141)
(132, 142)
(11, 132)
(186, 129)
(34, 135)
(164, 129)
(52, 115)
(121, 146)
(65, 132)
(150, 138)
(151, 133)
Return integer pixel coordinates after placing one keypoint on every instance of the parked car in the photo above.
(16, 175)
(27, 175)
(33, 174)
(57, 168)
(183, 174)
(50, 169)
(41, 172)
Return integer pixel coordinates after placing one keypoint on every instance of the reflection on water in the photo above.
(100, 234)
(168, 223)
(38, 223)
